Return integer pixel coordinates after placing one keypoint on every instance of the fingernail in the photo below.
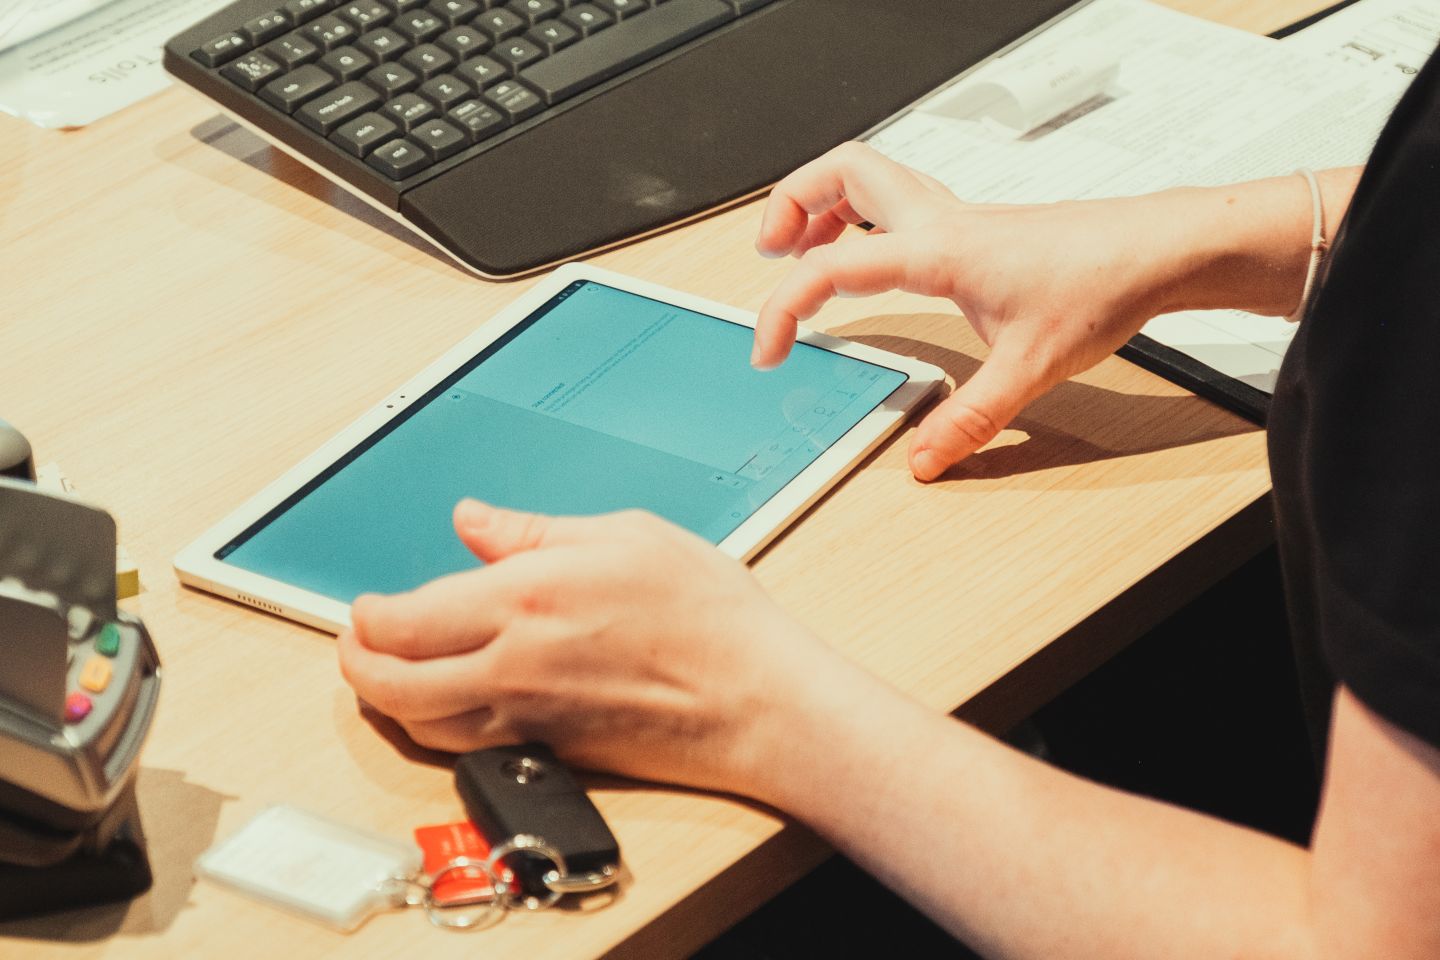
(761, 364)
(470, 512)
(926, 465)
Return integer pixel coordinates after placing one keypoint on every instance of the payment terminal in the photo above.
(78, 683)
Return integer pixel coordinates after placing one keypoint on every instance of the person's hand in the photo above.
(1051, 289)
(624, 642)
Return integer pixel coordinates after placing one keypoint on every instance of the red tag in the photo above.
(444, 843)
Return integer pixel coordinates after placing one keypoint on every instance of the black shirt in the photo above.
(1355, 439)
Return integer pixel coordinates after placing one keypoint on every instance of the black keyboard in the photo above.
(434, 109)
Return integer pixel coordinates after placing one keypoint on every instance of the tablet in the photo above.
(592, 392)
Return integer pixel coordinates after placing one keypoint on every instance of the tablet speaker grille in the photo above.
(246, 598)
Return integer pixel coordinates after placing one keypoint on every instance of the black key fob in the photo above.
(523, 789)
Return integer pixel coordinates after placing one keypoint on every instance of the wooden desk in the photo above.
(185, 313)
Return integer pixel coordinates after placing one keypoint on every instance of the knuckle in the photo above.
(853, 151)
(968, 424)
(384, 692)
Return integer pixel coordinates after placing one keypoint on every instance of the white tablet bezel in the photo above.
(196, 565)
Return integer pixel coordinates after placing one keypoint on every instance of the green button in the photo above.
(108, 642)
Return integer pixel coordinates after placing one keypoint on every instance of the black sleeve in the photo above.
(1355, 449)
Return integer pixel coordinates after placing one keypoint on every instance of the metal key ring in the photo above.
(581, 882)
(528, 843)
(495, 906)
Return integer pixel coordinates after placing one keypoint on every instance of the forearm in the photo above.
(1018, 858)
(1245, 246)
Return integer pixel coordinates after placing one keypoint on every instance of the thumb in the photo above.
(493, 533)
(971, 416)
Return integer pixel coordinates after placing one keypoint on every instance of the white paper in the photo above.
(1192, 103)
(1383, 36)
(88, 68)
(11, 12)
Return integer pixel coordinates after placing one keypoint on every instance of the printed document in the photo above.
(67, 63)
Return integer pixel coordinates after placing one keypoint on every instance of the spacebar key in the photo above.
(630, 42)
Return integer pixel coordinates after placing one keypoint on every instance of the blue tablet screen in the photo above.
(600, 400)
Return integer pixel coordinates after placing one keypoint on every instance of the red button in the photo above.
(77, 707)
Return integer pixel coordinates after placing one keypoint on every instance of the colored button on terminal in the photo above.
(77, 707)
(108, 642)
(95, 675)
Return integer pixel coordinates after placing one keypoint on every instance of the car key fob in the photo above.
(523, 790)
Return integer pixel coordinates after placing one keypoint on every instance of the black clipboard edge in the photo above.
(1250, 402)
(1201, 379)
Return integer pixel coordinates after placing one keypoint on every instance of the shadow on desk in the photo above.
(236, 142)
(179, 819)
(1074, 423)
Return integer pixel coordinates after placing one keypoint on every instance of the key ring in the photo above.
(558, 880)
(530, 844)
(419, 891)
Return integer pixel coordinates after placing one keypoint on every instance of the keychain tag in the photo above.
(306, 863)
(441, 844)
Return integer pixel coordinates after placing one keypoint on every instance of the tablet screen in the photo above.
(600, 400)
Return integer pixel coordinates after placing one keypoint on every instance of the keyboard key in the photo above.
(552, 35)
(477, 120)
(346, 63)
(325, 113)
(444, 91)
(297, 86)
(408, 111)
(517, 52)
(365, 133)
(419, 26)
(620, 9)
(383, 44)
(222, 49)
(291, 50)
(303, 10)
(392, 79)
(405, 6)
(439, 139)
(398, 159)
(454, 12)
(482, 72)
(266, 27)
(367, 15)
(329, 32)
(514, 100)
(252, 71)
(587, 18)
(463, 42)
(745, 6)
(500, 24)
(428, 60)
(627, 44)
(533, 11)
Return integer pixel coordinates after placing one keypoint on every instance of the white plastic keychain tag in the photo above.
(305, 863)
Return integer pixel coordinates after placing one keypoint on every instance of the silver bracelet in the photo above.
(1319, 246)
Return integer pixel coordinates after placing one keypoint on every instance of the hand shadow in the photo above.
(1075, 423)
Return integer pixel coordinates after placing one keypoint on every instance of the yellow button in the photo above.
(95, 675)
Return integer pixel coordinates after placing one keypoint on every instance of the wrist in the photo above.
(1242, 247)
(829, 724)
(1246, 246)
